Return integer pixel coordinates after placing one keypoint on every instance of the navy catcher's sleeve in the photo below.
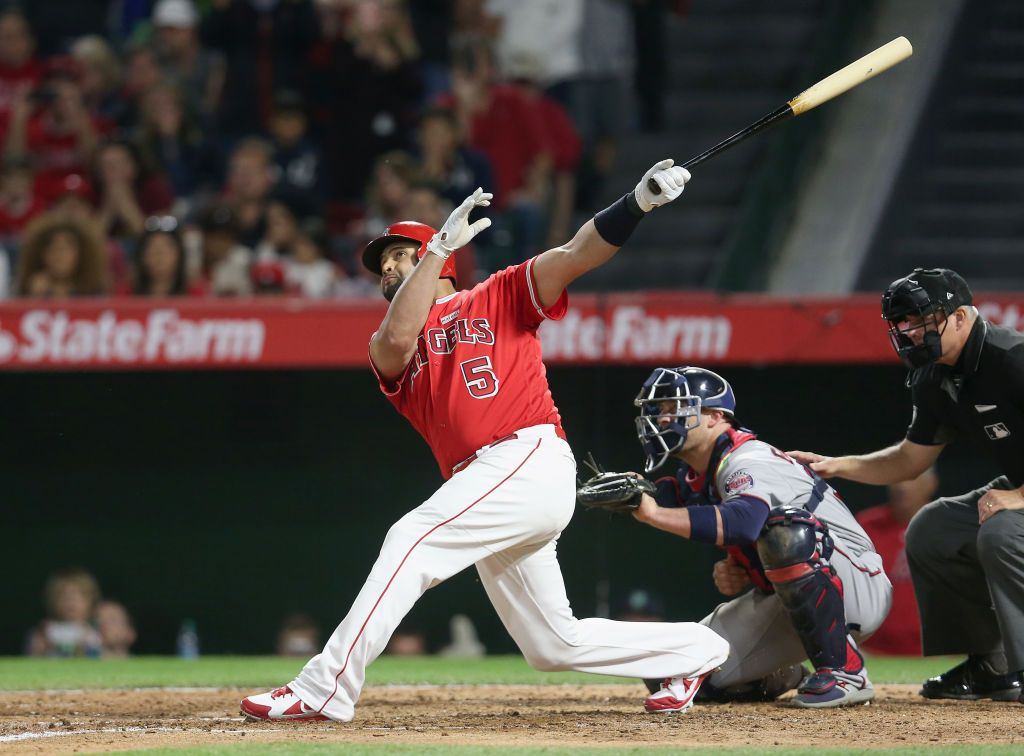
(743, 518)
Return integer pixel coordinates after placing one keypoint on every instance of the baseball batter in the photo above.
(817, 582)
(464, 367)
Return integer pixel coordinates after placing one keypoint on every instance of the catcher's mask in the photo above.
(923, 300)
(677, 394)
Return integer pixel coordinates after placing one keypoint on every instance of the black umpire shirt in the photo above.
(981, 398)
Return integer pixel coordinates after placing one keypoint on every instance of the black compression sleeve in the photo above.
(616, 222)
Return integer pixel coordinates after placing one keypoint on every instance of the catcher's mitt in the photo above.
(612, 492)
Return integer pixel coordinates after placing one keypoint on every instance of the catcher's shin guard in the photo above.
(794, 548)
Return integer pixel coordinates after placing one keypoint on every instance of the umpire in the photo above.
(966, 553)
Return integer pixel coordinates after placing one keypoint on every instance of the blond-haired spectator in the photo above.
(100, 76)
(71, 596)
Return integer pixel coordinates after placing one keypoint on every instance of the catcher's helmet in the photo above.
(915, 301)
(691, 389)
(408, 231)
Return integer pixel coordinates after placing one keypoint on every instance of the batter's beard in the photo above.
(389, 290)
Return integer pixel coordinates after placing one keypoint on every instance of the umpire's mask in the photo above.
(923, 300)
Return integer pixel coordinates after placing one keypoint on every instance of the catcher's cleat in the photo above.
(279, 705)
(971, 680)
(828, 688)
(676, 695)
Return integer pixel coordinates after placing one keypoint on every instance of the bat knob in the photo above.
(652, 186)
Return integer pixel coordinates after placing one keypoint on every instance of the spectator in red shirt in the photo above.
(887, 525)
(504, 124)
(127, 192)
(61, 136)
(20, 71)
(561, 139)
(61, 258)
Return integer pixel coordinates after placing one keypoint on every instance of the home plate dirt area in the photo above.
(492, 715)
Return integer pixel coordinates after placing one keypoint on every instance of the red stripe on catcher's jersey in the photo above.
(420, 540)
(870, 572)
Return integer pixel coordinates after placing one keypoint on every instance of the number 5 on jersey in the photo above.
(479, 376)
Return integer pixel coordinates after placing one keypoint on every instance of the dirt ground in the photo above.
(569, 715)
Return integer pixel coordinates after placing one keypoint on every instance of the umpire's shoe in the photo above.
(971, 680)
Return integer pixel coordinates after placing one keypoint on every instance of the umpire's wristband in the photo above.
(616, 222)
(703, 524)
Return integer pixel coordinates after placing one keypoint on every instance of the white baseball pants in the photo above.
(503, 513)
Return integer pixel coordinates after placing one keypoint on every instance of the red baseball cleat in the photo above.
(279, 705)
(676, 695)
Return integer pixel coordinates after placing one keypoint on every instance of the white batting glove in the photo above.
(457, 231)
(671, 179)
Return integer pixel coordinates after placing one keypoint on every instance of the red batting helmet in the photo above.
(407, 231)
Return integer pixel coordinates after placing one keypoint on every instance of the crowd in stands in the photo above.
(248, 147)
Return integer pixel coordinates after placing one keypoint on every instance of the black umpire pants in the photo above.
(969, 578)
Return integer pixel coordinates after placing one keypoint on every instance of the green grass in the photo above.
(19, 673)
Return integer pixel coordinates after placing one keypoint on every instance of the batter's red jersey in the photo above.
(477, 374)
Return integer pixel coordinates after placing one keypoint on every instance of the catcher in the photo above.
(817, 583)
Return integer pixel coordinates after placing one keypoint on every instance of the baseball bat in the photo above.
(846, 78)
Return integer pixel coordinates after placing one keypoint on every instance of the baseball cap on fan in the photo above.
(179, 14)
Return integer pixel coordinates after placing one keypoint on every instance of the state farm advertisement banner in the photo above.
(638, 328)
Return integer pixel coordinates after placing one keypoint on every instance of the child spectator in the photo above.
(282, 228)
(224, 261)
(269, 278)
(71, 596)
(115, 628)
(299, 636)
(296, 158)
(18, 201)
(20, 70)
(161, 270)
(127, 192)
(61, 257)
(307, 272)
(195, 70)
